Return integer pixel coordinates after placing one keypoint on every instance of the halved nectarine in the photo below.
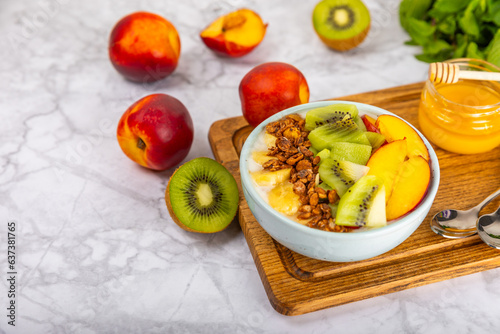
(235, 34)
(394, 128)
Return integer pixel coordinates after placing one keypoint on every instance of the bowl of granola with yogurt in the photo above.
(338, 181)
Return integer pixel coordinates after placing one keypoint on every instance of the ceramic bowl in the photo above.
(332, 246)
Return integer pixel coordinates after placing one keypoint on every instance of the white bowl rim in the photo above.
(426, 202)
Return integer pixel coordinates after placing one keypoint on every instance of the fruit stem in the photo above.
(141, 144)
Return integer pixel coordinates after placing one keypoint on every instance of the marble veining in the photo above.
(96, 249)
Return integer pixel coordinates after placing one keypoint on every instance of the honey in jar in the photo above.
(462, 117)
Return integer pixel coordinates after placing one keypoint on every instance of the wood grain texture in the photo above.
(296, 284)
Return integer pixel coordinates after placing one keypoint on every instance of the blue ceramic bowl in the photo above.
(332, 246)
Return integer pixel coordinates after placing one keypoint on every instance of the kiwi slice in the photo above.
(363, 204)
(376, 139)
(324, 154)
(359, 122)
(341, 24)
(341, 131)
(329, 114)
(357, 153)
(341, 175)
(202, 196)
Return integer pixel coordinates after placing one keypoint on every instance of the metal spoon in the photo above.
(456, 224)
(488, 228)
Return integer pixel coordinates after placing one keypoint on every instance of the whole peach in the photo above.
(269, 88)
(144, 47)
(156, 132)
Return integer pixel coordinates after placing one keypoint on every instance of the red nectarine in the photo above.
(156, 132)
(269, 88)
(144, 47)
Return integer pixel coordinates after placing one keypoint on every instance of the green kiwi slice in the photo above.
(376, 139)
(341, 175)
(329, 114)
(341, 131)
(357, 153)
(363, 204)
(202, 196)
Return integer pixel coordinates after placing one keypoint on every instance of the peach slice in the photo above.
(394, 128)
(235, 34)
(386, 163)
(409, 188)
(369, 123)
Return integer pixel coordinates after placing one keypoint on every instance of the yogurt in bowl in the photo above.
(321, 238)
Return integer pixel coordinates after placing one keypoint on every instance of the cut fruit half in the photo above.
(235, 34)
(341, 24)
(202, 196)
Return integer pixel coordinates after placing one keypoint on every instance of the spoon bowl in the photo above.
(456, 224)
(488, 228)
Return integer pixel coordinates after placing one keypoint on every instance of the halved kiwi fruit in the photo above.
(202, 196)
(341, 24)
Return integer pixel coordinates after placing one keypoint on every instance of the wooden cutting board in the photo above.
(296, 284)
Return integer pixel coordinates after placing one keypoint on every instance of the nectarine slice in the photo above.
(386, 163)
(394, 128)
(409, 188)
(235, 34)
(369, 123)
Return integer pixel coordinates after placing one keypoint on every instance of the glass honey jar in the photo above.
(463, 117)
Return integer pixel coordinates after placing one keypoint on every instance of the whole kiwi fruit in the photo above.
(341, 24)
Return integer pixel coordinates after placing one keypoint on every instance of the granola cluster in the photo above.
(291, 150)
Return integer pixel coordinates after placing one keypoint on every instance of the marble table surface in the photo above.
(96, 250)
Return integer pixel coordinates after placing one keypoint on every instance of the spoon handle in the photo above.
(487, 200)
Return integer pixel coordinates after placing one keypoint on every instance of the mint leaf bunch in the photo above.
(453, 28)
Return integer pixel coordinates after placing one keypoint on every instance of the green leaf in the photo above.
(494, 12)
(494, 50)
(411, 42)
(431, 58)
(450, 6)
(437, 14)
(420, 31)
(474, 52)
(413, 8)
(461, 46)
(468, 23)
(448, 25)
(437, 46)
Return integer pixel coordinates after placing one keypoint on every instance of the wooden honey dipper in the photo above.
(450, 73)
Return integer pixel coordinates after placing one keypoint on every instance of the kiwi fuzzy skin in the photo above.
(345, 44)
(174, 217)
